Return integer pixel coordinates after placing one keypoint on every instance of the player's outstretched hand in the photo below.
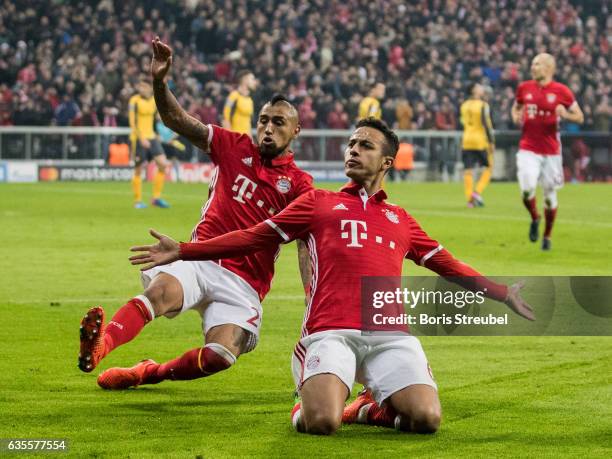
(162, 59)
(515, 302)
(164, 252)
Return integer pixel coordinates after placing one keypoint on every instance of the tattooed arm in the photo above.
(305, 267)
(172, 114)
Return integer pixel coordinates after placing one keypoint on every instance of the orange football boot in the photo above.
(357, 411)
(92, 339)
(123, 378)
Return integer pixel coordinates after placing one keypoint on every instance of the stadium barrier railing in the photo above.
(437, 154)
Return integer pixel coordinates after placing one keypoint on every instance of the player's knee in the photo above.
(550, 199)
(321, 423)
(162, 162)
(424, 419)
(528, 194)
(165, 294)
(156, 293)
(216, 358)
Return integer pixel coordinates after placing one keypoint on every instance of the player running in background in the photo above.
(351, 234)
(539, 107)
(478, 144)
(370, 105)
(251, 183)
(145, 145)
(238, 109)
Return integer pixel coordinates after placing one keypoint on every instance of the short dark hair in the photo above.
(241, 74)
(391, 141)
(276, 98)
(470, 88)
(279, 98)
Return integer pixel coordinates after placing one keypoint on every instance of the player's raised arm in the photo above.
(172, 114)
(429, 253)
(233, 244)
(444, 264)
(290, 224)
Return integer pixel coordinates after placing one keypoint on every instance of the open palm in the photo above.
(167, 250)
(162, 59)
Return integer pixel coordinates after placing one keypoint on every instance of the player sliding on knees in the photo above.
(539, 107)
(251, 183)
(351, 234)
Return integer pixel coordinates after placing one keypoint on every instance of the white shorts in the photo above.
(531, 168)
(383, 363)
(220, 296)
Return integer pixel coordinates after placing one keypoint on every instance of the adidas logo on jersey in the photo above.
(340, 207)
(248, 161)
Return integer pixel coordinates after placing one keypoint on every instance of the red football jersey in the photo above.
(246, 190)
(540, 132)
(349, 236)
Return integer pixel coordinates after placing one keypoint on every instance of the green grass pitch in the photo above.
(65, 249)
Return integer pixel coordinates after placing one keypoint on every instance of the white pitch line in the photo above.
(475, 216)
(433, 213)
(126, 193)
(101, 300)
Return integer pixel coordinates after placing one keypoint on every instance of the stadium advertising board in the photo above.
(330, 171)
(327, 175)
(18, 171)
(185, 172)
(84, 174)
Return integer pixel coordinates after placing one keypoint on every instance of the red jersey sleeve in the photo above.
(295, 220)
(233, 244)
(222, 142)
(290, 224)
(422, 247)
(429, 253)
(566, 96)
(447, 266)
(519, 94)
(305, 185)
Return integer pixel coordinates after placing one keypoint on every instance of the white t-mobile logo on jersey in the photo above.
(241, 187)
(532, 110)
(355, 234)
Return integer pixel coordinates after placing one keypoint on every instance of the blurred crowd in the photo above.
(77, 62)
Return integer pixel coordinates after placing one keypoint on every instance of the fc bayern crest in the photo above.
(283, 184)
(551, 98)
(313, 362)
(392, 216)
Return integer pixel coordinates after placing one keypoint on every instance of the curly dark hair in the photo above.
(391, 141)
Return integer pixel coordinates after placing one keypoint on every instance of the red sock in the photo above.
(127, 322)
(379, 416)
(185, 367)
(193, 364)
(549, 217)
(530, 204)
